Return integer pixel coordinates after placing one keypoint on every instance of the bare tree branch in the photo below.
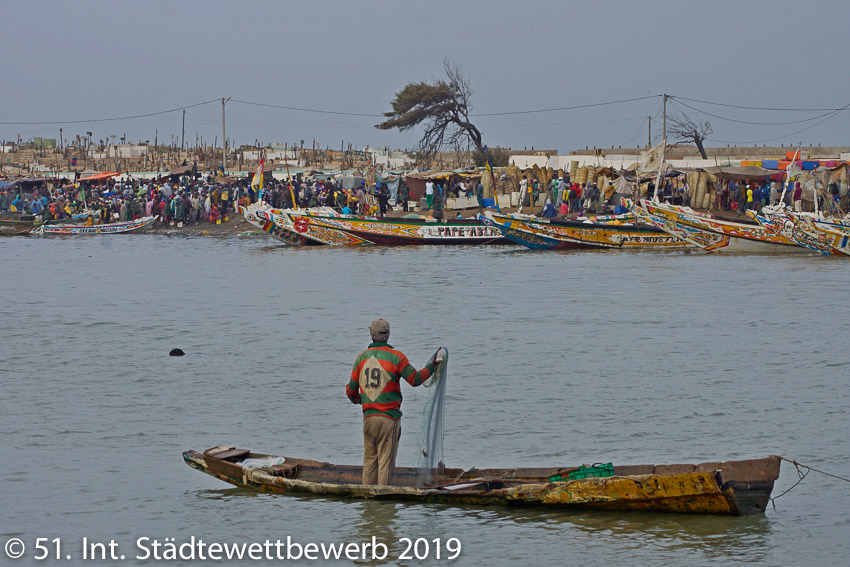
(443, 109)
(685, 129)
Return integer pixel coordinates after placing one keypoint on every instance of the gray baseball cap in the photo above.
(380, 330)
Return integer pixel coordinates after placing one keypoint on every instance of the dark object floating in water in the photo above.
(176, 352)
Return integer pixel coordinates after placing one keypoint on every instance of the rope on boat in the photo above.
(801, 475)
(798, 465)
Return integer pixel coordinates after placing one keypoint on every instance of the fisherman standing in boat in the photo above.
(376, 385)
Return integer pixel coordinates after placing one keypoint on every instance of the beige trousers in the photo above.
(380, 447)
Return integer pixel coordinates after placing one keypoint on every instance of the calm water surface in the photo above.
(556, 359)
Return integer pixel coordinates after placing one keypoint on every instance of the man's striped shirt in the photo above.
(376, 379)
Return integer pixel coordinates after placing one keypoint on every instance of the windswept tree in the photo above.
(442, 108)
(684, 129)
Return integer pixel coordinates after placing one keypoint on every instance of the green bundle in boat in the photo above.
(595, 470)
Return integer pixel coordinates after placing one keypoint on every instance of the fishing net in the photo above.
(431, 431)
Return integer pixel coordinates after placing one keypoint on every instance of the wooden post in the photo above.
(223, 135)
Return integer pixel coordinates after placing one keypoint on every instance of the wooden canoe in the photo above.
(259, 215)
(351, 230)
(715, 234)
(732, 488)
(543, 234)
(10, 230)
(111, 228)
(808, 231)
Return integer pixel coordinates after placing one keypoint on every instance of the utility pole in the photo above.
(663, 150)
(183, 133)
(649, 133)
(223, 136)
(61, 144)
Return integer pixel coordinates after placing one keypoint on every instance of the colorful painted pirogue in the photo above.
(711, 233)
(111, 228)
(836, 232)
(350, 230)
(259, 215)
(733, 488)
(539, 233)
(807, 231)
(309, 226)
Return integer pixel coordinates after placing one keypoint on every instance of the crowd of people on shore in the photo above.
(186, 200)
(104, 203)
(189, 200)
(362, 199)
(753, 195)
(564, 198)
(204, 200)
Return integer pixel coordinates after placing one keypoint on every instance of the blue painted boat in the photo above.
(616, 232)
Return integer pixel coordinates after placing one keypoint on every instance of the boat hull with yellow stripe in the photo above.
(537, 233)
(727, 488)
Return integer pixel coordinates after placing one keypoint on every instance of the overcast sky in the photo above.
(66, 61)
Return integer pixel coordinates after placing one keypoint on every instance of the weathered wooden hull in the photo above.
(568, 235)
(715, 235)
(10, 230)
(111, 228)
(732, 488)
(349, 230)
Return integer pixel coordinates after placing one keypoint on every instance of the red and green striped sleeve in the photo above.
(411, 375)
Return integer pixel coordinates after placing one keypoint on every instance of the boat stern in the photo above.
(747, 485)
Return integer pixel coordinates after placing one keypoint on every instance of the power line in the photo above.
(111, 119)
(561, 123)
(280, 125)
(567, 107)
(778, 137)
(640, 129)
(300, 109)
(308, 109)
(679, 101)
(757, 107)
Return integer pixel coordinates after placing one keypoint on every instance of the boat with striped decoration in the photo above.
(810, 232)
(350, 230)
(613, 232)
(835, 232)
(48, 229)
(259, 215)
(714, 234)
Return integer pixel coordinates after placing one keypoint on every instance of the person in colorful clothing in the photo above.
(376, 385)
